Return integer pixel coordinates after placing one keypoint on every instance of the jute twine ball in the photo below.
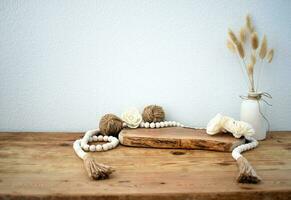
(110, 125)
(153, 113)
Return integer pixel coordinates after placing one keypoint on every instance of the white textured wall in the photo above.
(63, 64)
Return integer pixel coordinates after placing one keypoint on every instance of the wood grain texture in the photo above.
(44, 166)
(178, 138)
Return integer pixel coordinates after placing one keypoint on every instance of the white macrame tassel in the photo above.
(247, 174)
(95, 170)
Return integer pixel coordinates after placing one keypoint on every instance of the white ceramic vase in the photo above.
(251, 112)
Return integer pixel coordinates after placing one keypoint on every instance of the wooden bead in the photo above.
(104, 147)
(105, 138)
(92, 148)
(110, 145)
(86, 147)
(141, 124)
(146, 125)
(100, 138)
(95, 138)
(158, 125)
(98, 147)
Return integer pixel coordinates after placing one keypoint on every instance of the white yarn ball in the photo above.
(92, 148)
(146, 125)
(152, 125)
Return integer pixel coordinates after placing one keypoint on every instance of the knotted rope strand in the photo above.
(95, 170)
(247, 174)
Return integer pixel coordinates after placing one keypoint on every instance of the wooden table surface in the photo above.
(44, 166)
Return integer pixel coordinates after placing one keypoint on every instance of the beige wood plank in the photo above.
(44, 166)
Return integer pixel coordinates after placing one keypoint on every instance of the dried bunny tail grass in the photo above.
(232, 36)
(243, 34)
(253, 58)
(255, 40)
(230, 46)
(264, 48)
(270, 55)
(240, 50)
(250, 69)
(249, 24)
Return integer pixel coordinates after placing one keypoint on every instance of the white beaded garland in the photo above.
(112, 142)
(161, 124)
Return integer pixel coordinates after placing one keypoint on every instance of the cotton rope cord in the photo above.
(247, 174)
(95, 170)
(236, 153)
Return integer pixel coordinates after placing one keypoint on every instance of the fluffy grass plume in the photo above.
(255, 40)
(250, 71)
(240, 50)
(242, 35)
(230, 46)
(264, 48)
(270, 55)
(249, 23)
(253, 58)
(232, 36)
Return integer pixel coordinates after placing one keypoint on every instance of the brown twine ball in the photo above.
(153, 113)
(110, 125)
